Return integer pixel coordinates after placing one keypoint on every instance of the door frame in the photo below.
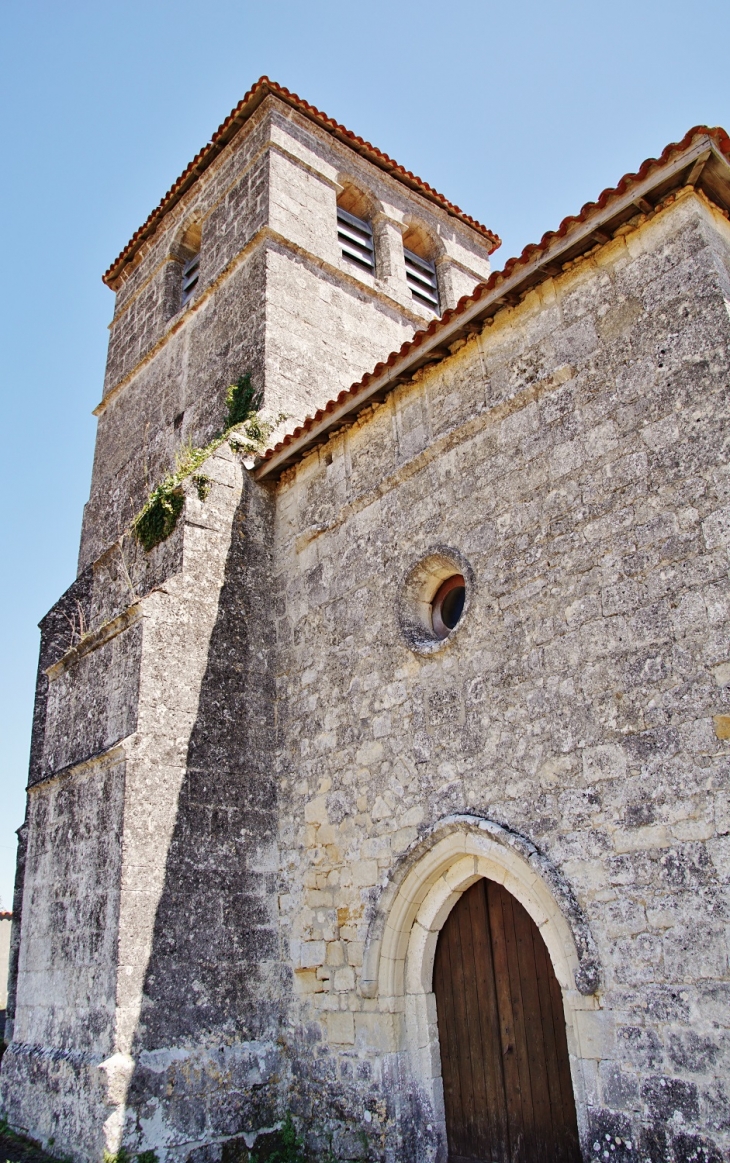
(401, 946)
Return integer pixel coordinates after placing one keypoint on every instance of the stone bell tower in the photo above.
(148, 980)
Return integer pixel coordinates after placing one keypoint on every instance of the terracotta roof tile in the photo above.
(532, 251)
(230, 127)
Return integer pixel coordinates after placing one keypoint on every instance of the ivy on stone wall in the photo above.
(244, 430)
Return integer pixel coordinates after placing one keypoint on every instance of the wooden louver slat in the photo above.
(191, 274)
(421, 276)
(356, 239)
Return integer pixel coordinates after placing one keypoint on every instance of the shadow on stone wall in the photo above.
(216, 1055)
(206, 1050)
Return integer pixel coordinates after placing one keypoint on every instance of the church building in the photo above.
(380, 774)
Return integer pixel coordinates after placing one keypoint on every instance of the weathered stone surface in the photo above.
(575, 702)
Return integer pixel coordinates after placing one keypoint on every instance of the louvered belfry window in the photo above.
(356, 239)
(191, 273)
(421, 275)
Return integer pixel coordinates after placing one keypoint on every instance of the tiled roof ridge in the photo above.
(223, 134)
(529, 252)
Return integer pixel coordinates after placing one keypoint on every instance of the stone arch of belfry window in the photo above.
(422, 250)
(356, 199)
(186, 252)
(188, 239)
(403, 933)
(421, 240)
(356, 210)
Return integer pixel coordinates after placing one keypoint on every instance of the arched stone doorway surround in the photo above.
(412, 909)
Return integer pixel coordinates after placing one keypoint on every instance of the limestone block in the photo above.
(315, 812)
(354, 951)
(312, 954)
(716, 528)
(722, 726)
(376, 1032)
(306, 981)
(606, 761)
(596, 1034)
(335, 953)
(619, 1088)
(344, 979)
(341, 1028)
(364, 873)
(402, 838)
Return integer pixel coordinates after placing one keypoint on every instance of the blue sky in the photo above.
(518, 112)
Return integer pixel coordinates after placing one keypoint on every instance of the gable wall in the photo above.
(576, 455)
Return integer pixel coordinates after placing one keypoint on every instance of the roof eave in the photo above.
(228, 130)
(701, 164)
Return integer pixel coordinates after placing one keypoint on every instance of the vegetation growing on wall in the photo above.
(289, 1149)
(123, 1156)
(286, 1144)
(242, 401)
(245, 431)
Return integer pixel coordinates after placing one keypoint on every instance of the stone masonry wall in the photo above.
(576, 455)
(150, 960)
(176, 397)
(201, 979)
(231, 197)
(301, 353)
(63, 1019)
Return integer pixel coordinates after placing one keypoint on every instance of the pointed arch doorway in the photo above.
(504, 1056)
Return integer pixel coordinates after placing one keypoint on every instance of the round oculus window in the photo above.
(448, 605)
(434, 599)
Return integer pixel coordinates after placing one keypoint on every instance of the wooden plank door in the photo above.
(504, 1055)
